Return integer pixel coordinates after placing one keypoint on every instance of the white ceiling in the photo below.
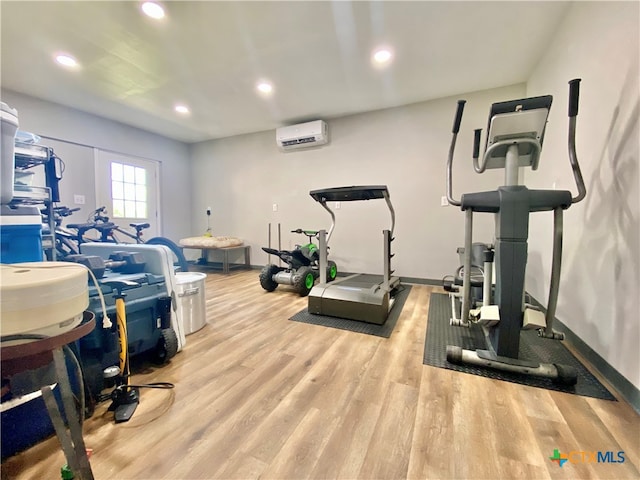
(210, 56)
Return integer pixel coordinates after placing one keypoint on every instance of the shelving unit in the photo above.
(28, 156)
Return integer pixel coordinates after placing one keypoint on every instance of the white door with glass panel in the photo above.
(128, 187)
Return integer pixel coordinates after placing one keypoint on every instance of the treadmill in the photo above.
(366, 298)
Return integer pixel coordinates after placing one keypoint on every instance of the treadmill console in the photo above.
(349, 194)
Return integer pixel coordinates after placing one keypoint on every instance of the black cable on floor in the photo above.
(164, 385)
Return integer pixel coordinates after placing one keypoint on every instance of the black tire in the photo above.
(304, 281)
(179, 259)
(167, 346)
(332, 271)
(266, 277)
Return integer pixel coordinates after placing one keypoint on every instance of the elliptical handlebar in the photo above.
(476, 143)
(574, 96)
(458, 119)
(455, 130)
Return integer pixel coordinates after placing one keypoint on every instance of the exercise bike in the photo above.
(110, 232)
(302, 268)
(67, 241)
(514, 139)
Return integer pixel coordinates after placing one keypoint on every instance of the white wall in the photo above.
(404, 148)
(56, 121)
(600, 287)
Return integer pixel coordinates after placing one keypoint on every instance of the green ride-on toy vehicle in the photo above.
(302, 266)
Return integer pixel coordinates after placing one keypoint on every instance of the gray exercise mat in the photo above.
(532, 347)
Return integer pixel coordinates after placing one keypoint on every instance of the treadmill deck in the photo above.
(357, 297)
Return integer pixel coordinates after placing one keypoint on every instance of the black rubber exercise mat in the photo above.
(383, 330)
(532, 347)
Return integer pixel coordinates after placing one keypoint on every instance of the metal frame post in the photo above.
(322, 245)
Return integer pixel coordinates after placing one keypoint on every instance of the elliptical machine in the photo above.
(514, 139)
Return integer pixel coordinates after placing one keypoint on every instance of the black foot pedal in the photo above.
(124, 404)
(124, 413)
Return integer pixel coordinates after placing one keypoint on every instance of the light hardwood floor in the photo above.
(257, 395)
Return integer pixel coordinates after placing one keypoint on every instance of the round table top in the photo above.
(19, 356)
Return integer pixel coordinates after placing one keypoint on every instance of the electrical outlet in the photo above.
(443, 201)
(275, 207)
(78, 199)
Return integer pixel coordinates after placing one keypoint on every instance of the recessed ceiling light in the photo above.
(382, 56)
(153, 10)
(66, 60)
(264, 87)
(183, 109)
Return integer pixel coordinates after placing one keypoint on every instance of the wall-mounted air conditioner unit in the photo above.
(303, 135)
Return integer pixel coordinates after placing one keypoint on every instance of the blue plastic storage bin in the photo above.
(21, 235)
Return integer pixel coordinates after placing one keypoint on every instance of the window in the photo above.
(128, 187)
(128, 191)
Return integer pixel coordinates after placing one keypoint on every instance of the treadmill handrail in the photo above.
(333, 218)
(391, 210)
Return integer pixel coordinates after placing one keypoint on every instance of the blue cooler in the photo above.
(21, 232)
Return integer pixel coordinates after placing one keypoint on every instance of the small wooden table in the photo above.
(226, 267)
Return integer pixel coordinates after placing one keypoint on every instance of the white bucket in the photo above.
(8, 129)
(191, 300)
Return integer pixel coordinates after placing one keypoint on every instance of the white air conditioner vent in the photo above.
(303, 135)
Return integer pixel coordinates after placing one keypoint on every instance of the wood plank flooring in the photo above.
(259, 396)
